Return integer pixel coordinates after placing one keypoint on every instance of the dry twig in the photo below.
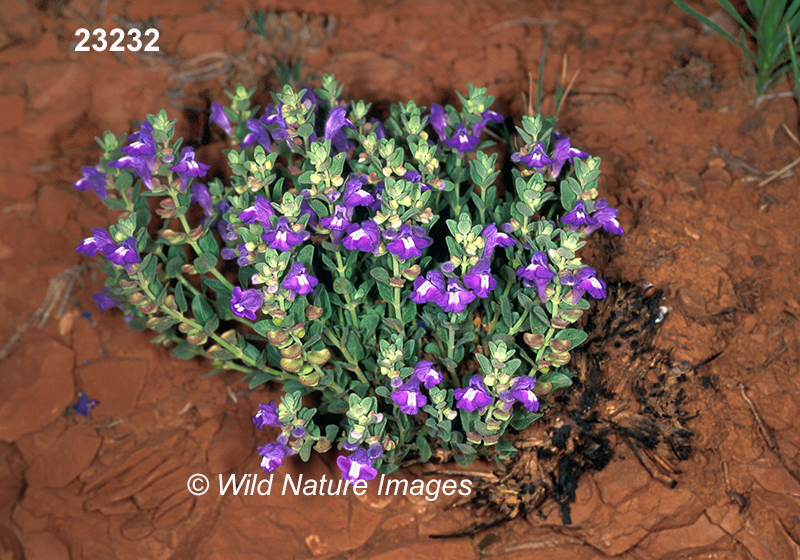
(58, 291)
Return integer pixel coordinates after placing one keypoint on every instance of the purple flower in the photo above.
(298, 280)
(439, 121)
(283, 237)
(100, 241)
(456, 298)
(537, 274)
(258, 134)
(305, 208)
(187, 167)
(427, 375)
(377, 128)
(357, 467)
(267, 415)
(474, 396)
(124, 254)
(354, 193)
(140, 155)
(334, 129)
(563, 152)
(245, 303)
(374, 451)
(220, 117)
(260, 211)
(535, 158)
(201, 196)
(340, 220)
(273, 455)
(298, 432)
(409, 398)
(93, 178)
(408, 242)
(365, 237)
(379, 188)
(429, 289)
(605, 217)
(585, 281)
(104, 300)
(495, 239)
(522, 391)
(578, 216)
(486, 116)
(480, 279)
(462, 140)
(85, 405)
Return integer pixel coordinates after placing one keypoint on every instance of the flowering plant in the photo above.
(374, 266)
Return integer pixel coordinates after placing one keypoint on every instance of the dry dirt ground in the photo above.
(685, 154)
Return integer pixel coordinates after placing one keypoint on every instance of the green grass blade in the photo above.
(712, 24)
(794, 62)
(735, 15)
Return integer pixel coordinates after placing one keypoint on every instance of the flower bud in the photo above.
(310, 379)
(197, 338)
(277, 338)
(559, 358)
(229, 336)
(138, 298)
(173, 237)
(313, 312)
(396, 282)
(291, 365)
(411, 273)
(292, 352)
(319, 357)
(542, 388)
(560, 345)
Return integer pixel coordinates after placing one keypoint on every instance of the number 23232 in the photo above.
(113, 41)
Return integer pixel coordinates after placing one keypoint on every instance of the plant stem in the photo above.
(398, 312)
(196, 247)
(347, 355)
(237, 352)
(341, 270)
(451, 342)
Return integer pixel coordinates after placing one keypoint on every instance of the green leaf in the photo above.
(558, 379)
(368, 324)
(383, 392)
(523, 418)
(202, 311)
(354, 347)
(380, 274)
(208, 244)
(486, 365)
(306, 256)
(185, 351)
(424, 449)
(205, 263)
(576, 336)
(259, 379)
(343, 286)
(180, 299)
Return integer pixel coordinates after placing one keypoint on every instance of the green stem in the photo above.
(347, 356)
(237, 352)
(551, 330)
(340, 268)
(398, 312)
(451, 343)
(515, 328)
(196, 247)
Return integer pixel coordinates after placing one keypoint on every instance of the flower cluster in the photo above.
(372, 263)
